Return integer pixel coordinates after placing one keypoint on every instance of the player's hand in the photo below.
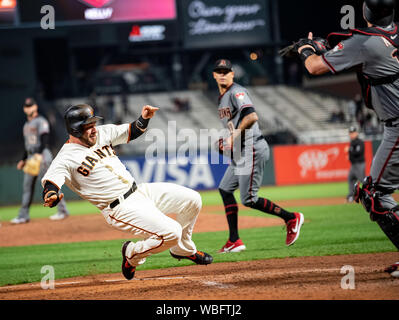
(20, 164)
(310, 37)
(51, 199)
(228, 144)
(148, 112)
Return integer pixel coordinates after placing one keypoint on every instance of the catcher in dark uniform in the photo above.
(373, 53)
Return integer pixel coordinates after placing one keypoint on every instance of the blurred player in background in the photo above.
(35, 161)
(356, 157)
(237, 113)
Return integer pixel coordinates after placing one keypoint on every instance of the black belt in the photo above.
(389, 123)
(381, 81)
(128, 193)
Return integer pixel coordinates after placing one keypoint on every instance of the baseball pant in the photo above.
(356, 173)
(385, 167)
(144, 214)
(248, 180)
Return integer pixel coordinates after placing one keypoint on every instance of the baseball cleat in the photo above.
(393, 270)
(357, 192)
(127, 270)
(199, 257)
(18, 220)
(293, 228)
(58, 216)
(230, 246)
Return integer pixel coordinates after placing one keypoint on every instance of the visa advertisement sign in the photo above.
(200, 174)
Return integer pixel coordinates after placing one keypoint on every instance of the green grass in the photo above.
(328, 230)
(310, 191)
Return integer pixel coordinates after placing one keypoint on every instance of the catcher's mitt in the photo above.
(32, 165)
(320, 46)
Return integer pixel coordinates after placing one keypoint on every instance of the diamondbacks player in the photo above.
(237, 113)
(88, 165)
(374, 51)
(37, 136)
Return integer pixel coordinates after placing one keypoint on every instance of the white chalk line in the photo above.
(217, 284)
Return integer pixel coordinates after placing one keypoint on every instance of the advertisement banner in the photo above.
(301, 164)
(99, 10)
(198, 174)
(218, 23)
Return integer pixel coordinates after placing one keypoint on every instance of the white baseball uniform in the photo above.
(97, 175)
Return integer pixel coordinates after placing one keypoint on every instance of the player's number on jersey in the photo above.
(32, 139)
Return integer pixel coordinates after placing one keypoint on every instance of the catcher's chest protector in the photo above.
(366, 82)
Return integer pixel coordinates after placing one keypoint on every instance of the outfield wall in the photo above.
(287, 165)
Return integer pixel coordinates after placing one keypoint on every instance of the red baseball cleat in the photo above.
(293, 228)
(230, 246)
(127, 270)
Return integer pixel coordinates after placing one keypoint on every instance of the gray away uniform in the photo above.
(33, 130)
(246, 168)
(375, 51)
(377, 57)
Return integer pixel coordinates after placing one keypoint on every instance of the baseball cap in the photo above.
(222, 64)
(29, 102)
(352, 129)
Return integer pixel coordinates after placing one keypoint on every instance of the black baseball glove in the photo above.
(319, 45)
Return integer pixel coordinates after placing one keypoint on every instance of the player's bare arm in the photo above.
(246, 123)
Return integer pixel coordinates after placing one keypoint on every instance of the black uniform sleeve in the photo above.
(44, 142)
(25, 155)
(138, 127)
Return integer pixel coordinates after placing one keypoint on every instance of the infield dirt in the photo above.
(304, 278)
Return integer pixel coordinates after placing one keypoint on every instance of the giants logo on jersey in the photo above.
(91, 162)
(225, 113)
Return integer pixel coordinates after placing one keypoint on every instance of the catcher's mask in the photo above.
(379, 12)
(78, 116)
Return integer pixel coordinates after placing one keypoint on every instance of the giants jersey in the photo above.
(231, 104)
(378, 58)
(32, 130)
(95, 173)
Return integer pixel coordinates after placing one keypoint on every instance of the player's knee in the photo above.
(173, 234)
(228, 197)
(248, 201)
(196, 200)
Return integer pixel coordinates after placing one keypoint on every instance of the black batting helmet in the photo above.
(379, 12)
(78, 116)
